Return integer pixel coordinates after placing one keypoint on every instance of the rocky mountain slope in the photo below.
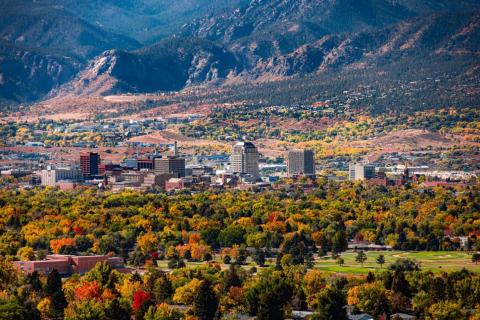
(268, 28)
(449, 35)
(26, 75)
(180, 62)
(57, 31)
(53, 40)
(146, 21)
(169, 65)
(236, 42)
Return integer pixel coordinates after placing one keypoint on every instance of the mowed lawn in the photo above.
(436, 261)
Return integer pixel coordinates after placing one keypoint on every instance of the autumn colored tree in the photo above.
(88, 290)
(141, 303)
(162, 312)
(63, 245)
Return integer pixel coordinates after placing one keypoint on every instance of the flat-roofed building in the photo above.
(301, 162)
(359, 171)
(67, 264)
(244, 159)
(51, 176)
(170, 165)
(89, 163)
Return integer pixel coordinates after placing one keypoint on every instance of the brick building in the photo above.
(67, 264)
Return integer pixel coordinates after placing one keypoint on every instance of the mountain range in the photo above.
(103, 47)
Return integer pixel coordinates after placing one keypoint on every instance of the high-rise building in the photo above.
(170, 164)
(244, 159)
(89, 163)
(358, 171)
(301, 162)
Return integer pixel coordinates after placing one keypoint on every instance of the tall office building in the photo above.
(301, 162)
(89, 163)
(244, 159)
(170, 165)
(358, 171)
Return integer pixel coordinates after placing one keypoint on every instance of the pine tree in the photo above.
(361, 258)
(205, 303)
(54, 291)
(231, 278)
(381, 260)
(330, 305)
(162, 289)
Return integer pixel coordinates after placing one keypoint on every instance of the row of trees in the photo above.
(206, 293)
(142, 227)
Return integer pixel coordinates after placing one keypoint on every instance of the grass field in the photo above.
(436, 261)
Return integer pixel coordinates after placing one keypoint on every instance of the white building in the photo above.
(358, 171)
(51, 176)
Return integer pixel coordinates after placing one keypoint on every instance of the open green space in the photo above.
(436, 261)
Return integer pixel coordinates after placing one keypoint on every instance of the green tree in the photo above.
(446, 310)
(162, 312)
(361, 257)
(162, 289)
(90, 309)
(54, 290)
(267, 297)
(103, 274)
(205, 303)
(330, 305)
(231, 278)
(340, 261)
(476, 257)
(381, 260)
(231, 235)
(339, 241)
(405, 265)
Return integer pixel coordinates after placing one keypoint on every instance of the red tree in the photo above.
(139, 298)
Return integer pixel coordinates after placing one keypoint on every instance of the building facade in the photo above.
(358, 171)
(301, 162)
(89, 163)
(67, 264)
(244, 159)
(51, 176)
(170, 165)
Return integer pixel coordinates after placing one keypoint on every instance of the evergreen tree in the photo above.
(205, 303)
(231, 278)
(361, 257)
(381, 260)
(33, 279)
(330, 305)
(55, 292)
(162, 289)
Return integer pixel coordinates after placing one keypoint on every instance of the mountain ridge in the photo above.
(237, 42)
(441, 34)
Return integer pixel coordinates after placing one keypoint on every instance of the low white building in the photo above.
(51, 176)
